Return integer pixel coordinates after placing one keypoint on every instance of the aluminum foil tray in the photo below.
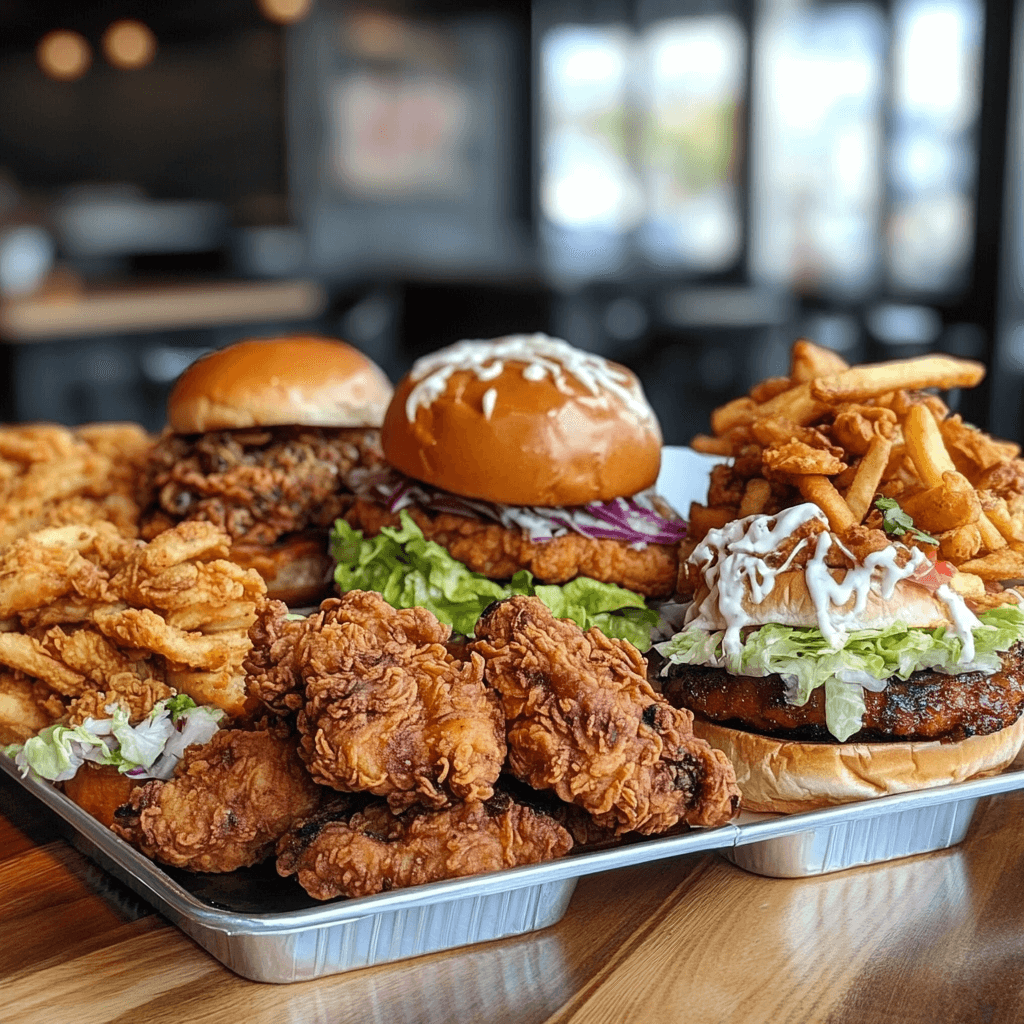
(267, 929)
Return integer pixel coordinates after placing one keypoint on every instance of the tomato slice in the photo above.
(934, 574)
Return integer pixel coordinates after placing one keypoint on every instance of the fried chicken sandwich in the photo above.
(525, 460)
(261, 439)
(835, 668)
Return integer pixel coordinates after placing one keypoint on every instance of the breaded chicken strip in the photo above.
(498, 552)
(373, 850)
(583, 721)
(384, 706)
(228, 803)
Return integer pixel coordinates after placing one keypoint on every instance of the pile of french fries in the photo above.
(842, 436)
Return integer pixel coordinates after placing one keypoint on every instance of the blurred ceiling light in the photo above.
(284, 12)
(375, 34)
(63, 55)
(128, 44)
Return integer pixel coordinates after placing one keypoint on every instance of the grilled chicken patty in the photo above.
(927, 706)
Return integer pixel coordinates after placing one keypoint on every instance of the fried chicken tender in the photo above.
(386, 708)
(584, 721)
(228, 803)
(373, 850)
(499, 553)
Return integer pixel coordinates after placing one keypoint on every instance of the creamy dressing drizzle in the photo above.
(543, 357)
(732, 561)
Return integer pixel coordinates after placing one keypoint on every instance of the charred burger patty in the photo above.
(928, 705)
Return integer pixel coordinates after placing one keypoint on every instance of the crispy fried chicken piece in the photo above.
(25, 708)
(499, 553)
(374, 850)
(256, 484)
(228, 803)
(135, 696)
(384, 706)
(52, 476)
(584, 722)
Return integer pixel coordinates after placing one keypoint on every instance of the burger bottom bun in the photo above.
(297, 569)
(100, 789)
(786, 776)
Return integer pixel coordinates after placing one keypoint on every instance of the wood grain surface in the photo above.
(933, 938)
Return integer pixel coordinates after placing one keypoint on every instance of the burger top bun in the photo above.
(786, 776)
(790, 604)
(523, 420)
(300, 380)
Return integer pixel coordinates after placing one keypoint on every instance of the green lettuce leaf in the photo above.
(409, 571)
(804, 657)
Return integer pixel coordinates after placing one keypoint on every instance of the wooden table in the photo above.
(934, 938)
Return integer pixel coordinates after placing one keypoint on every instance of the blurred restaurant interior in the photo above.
(685, 186)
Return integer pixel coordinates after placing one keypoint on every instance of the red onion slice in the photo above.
(634, 520)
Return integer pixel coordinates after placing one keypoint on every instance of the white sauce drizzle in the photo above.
(732, 562)
(488, 401)
(543, 357)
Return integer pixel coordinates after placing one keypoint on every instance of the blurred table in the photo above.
(932, 938)
(132, 309)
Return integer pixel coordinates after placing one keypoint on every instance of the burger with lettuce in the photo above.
(519, 465)
(835, 669)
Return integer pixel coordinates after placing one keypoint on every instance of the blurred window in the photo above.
(933, 156)
(590, 194)
(816, 140)
(695, 78)
(639, 138)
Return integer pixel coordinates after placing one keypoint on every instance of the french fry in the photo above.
(769, 388)
(808, 361)
(820, 490)
(755, 497)
(862, 491)
(738, 412)
(708, 445)
(998, 515)
(925, 446)
(870, 380)
(796, 405)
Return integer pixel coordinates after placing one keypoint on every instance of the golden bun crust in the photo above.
(785, 776)
(100, 790)
(790, 604)
(297, 570)
(525, 439)
(301, 380)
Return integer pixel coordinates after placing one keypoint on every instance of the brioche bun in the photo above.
(789, 603)
(523, 420)
(786, 776)
(99, 789)
(298, 569)
(301, 380)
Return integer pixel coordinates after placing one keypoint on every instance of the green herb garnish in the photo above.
(896, 522)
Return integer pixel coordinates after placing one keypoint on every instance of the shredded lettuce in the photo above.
(869, 658)
(149, 749)
(409, 571)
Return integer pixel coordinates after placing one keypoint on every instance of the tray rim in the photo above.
(152, 883)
